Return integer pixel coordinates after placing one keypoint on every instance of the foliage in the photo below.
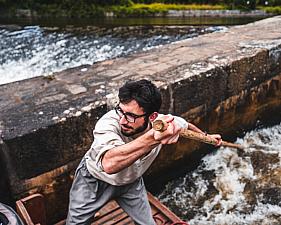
(269, 3)
(272, 9)
(158, 8)
(178, 6)
(94, 8)
(137, 10)
(184, 2)
(241, 4)
(72, 11)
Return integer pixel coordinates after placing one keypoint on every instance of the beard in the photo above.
(136, 130)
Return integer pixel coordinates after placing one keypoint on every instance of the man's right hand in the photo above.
(171, 134)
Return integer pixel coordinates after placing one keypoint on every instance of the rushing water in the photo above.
(31, 51)
(232, 187)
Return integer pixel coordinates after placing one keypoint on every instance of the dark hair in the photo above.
(143, 92)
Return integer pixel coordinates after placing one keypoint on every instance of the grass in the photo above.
(160, 6)
(156, 8)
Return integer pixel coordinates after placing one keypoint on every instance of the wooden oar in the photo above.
(161, 125)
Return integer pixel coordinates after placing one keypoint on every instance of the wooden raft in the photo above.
(32, 211)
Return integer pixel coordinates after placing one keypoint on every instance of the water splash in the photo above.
(34, 51)
(233, 187)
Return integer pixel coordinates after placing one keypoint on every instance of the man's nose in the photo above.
(123, 120)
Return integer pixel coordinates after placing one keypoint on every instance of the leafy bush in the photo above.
(272, 9)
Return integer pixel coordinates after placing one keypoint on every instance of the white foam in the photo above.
(229, 174)
(32, 51)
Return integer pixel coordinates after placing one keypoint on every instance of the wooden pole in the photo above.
(161, 126)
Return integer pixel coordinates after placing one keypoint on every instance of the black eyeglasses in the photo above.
(130, 117)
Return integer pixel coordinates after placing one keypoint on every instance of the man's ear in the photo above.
(153, 116)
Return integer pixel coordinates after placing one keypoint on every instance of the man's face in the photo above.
(132, 128)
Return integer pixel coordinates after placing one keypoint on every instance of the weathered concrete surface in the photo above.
(222, 82)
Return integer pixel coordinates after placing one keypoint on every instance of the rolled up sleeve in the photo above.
(181, 122)
(103, 143)
(106, 137)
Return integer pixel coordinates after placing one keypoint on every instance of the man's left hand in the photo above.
(217, 137)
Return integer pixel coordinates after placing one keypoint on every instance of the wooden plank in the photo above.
(35, 204)
(107, 209)
(31, 210)
(161, 219)
(126, 221)
(162, 208)
(23, 213)
(112, 218)
(62, 222)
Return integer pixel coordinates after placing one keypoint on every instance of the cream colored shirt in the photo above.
(107, 135)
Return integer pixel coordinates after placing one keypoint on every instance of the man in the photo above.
(124, 147)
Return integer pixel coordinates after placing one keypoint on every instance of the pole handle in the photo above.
(161, 125)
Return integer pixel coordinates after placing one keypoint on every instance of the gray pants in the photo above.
(88, 195)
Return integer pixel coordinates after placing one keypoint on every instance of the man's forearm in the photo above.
(194, 128)
(118, 158)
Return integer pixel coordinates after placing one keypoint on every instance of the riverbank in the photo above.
(136, 10)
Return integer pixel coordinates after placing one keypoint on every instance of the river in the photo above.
(32, 51)
(34, 48)
(232, 187)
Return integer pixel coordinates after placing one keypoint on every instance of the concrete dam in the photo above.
(223, 82)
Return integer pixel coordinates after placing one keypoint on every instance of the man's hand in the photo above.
(171, 134)
(217, 137)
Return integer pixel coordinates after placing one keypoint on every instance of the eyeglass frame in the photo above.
(121, 113)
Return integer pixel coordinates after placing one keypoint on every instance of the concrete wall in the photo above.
(223, 82)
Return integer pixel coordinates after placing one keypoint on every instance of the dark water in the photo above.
(112, 22)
